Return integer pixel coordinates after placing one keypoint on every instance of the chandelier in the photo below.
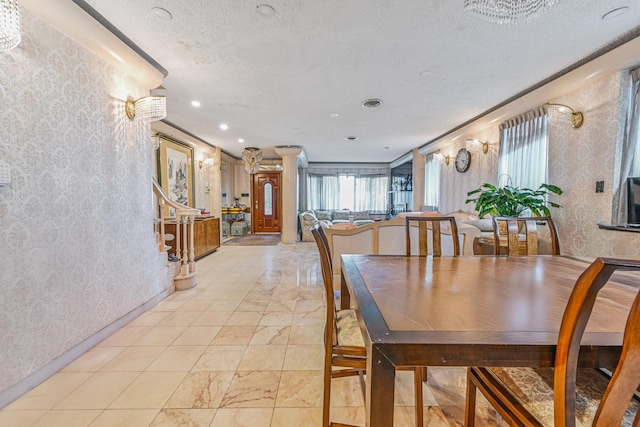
(252, 157)
(507, 12)
(9, 24)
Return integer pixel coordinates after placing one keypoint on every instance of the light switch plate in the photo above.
(5, 174)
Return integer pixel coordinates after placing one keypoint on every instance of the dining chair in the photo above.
(343, 342)
(524, 235)
(435, 224)
(560, 395)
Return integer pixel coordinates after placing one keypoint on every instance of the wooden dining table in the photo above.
(472, 311)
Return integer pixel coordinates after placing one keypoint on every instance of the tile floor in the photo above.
(243, 348)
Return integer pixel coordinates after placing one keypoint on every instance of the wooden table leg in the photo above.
(381, 375)
(345, 296)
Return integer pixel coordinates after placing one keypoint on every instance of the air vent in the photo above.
(371, 103)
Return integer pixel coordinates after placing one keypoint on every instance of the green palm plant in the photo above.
(512, 201)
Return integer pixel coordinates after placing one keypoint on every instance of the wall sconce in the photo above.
(564, 113)
(439, 157)
(9, 24)
(206, 163)
(147, 109)
(477, 146)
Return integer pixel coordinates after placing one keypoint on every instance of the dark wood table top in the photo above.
(474, 311)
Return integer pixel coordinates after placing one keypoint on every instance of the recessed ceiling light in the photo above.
(195, 103)
(388, 147)
(241, 140)
(424, 73)
(265, 10)
(351, 138)
(334, 115)
(161, 13)
(224, 126)
(614, 13)
(371, 103)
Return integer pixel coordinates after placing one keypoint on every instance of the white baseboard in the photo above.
(12, 393)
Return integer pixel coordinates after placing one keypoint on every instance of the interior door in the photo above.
(266, 202)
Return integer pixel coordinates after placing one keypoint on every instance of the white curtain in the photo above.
(358, 192)
(524, 146)
(432, 182)
(630, 152)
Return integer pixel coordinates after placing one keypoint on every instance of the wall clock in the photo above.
(463, 160)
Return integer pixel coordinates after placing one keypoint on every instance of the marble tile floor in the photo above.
(243, 348)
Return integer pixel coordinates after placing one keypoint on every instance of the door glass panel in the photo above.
(268, 199)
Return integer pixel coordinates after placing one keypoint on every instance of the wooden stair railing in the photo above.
(184, 242)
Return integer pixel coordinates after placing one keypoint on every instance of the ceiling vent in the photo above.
(371, 103)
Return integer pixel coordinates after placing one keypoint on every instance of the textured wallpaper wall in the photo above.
(577, 159)
(76, 224)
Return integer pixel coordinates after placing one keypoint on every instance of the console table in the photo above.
(206, 235)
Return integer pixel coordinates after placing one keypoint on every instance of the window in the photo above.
(524, 143)
(630, 150)
(357, 192)
(432, 182)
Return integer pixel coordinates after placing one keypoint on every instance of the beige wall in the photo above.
(76, 224)
(577, 159)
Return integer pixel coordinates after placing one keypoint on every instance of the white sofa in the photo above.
(388, 238)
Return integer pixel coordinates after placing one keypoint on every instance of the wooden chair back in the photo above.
(433, 224)
(626, 377)
(327, 277)
(521, 235)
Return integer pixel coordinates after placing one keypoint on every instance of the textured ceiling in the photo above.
(276, 80)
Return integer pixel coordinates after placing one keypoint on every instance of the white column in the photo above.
(215, 185)
(418, 180)
(289, 192)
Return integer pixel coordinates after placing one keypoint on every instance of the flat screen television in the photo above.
(633, 201)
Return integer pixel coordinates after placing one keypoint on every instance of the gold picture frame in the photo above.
(176, 172)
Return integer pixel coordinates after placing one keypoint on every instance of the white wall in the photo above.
(76, 224)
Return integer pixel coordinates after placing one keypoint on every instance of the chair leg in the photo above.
(470, 402)
(326, 398)
(417, 379)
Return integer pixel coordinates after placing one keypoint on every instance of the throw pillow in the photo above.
(482, 224)
(323, 215)
(360, 215)
(340, 215)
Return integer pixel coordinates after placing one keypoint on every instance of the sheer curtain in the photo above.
(524, 145)
(432, 182)
(630, 150)
(358, 192)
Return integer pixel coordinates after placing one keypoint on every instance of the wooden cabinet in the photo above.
(206, 236)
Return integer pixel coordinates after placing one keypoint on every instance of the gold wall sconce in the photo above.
(564, 113)
(439, 157)
(477, 146)
(9, 24)
(147, 109)
(205, 163)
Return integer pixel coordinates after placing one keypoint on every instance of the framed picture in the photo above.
(175, 170)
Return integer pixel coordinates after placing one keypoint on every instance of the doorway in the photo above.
(266, 206)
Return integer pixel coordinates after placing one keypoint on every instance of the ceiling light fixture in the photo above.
(351, 138)
(9, 24)
(147, 109)
(252, 157)
(224, 126)
(564, 113)
(265, 10)
(162, 13)
(241, 140)
(507, 12)
(333, 115)
(371, 103)
(425, 73)
(195, 103)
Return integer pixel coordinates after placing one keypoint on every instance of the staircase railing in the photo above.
(184, 237)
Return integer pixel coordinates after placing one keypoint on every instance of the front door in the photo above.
(266, 202)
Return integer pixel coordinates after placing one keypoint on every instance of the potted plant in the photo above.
(512, 201)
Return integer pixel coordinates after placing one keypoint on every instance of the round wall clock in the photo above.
(463, 160)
